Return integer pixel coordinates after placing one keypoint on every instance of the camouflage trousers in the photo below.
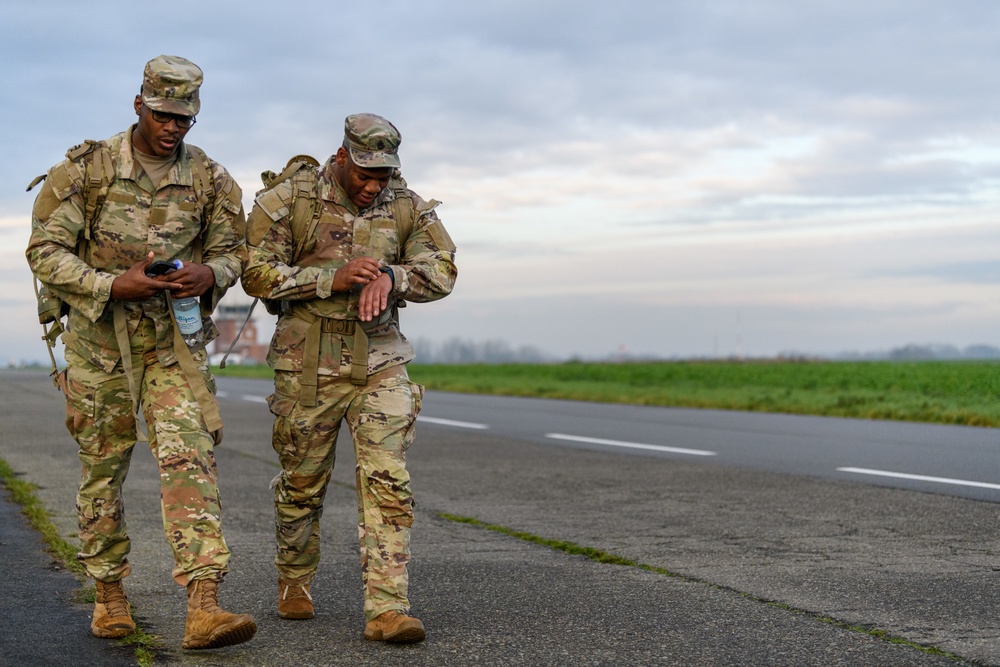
(99, 417)
(380, 417)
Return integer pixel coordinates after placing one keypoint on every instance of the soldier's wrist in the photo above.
(388, 271)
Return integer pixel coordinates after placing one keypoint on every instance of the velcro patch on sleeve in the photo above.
(62, 181)
(258, 224)
(271, 202)
(232, 205)
(46, 203)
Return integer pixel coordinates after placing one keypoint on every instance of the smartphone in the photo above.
(161, 267)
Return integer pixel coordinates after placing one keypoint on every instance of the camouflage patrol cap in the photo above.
(170, 84)
(372, 141)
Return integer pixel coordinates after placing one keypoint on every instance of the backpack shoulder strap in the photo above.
(204, 188)
(404, 211)
(304, 205)
(302, 208)
(99, 174)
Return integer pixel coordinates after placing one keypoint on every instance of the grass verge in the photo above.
(23, 494)
(943, 392)
(611, 559)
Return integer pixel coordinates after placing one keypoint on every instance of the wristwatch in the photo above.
(386, 269)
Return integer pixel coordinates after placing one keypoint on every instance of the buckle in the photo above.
(345, 327)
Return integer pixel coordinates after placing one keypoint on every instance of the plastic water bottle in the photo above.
(188, 314)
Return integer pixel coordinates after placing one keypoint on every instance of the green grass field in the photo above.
(946, 392)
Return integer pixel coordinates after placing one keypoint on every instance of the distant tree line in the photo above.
(928, 352)
(459, 351)
(945, 352)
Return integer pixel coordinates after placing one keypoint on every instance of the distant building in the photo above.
(229, 317)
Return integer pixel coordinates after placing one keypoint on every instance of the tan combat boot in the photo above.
(395, 627)
(112, 613)
(294, 600)
(207, 625)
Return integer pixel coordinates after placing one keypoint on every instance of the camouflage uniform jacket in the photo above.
(136, 217)
(422, 265)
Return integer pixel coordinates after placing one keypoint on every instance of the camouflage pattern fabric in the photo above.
(372, 141)
(380, 417)
(99, 417)
(423, 269)
(381, 413)
(171, 83)
(137, 216)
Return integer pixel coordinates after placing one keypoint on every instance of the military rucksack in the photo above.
(100, 167)
(305, 208)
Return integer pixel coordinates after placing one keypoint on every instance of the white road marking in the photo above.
(920, 478)
(429, 420)
(631, 445)
(451, 422)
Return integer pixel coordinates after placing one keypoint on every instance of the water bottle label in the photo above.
(188, 316)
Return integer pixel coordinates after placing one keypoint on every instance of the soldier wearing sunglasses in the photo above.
(101, 218)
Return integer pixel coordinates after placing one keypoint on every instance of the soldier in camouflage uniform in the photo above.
(164, 200)
(338, 354)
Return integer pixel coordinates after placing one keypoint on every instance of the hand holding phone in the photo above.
(162, 267)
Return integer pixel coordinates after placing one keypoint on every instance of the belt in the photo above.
(310, 354)
(345, 327)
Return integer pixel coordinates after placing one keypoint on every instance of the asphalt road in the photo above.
(951, 460)
(746, 567)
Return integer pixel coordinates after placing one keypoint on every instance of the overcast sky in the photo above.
(669, 178)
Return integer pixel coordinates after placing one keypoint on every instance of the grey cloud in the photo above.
(486, 79)
(975, 272)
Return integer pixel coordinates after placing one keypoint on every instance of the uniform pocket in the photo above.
(81, 404)
(287, 345)
(417, 393)
(281, 405)
(285, 396)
